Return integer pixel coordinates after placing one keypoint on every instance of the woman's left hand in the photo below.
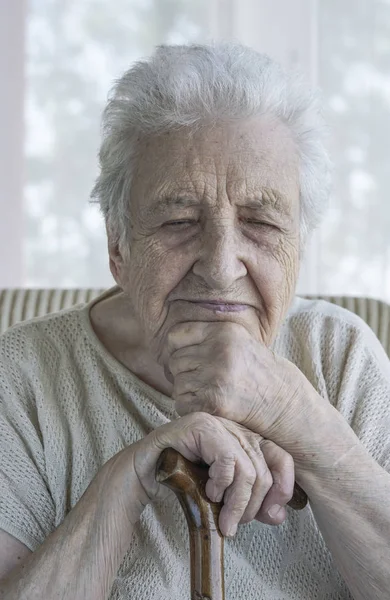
(219, 368)
(274, 484)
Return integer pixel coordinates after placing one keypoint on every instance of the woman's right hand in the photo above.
(238, 471)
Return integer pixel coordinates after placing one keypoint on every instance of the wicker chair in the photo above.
(21, 304)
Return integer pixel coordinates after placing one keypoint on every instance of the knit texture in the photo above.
(67, 406)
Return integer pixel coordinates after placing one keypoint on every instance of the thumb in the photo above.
(168, 374)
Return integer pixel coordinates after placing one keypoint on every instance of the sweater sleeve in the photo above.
(357, 374)
(27, 510)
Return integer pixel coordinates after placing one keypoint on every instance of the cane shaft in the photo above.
(188, 481)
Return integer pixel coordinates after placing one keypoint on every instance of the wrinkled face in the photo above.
(215, 230)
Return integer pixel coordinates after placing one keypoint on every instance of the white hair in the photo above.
(191, 85)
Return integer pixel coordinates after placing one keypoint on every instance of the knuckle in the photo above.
(250, 475)
(250, 512)
(200, 417)
(266, 445)
(238, 509)
(200, 421)
(286, 461)
(285, 491)
(171, 336)
(237, 502)
(181, 380)
(251, 480)
(213, 398)
(223, 468)
(223, 478)
(265, 479)
(173, 367)
(285, 482)
(228, 458)
(255, 441)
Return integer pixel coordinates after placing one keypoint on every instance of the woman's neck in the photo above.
(118, 331)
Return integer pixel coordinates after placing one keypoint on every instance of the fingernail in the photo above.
(232, 531)
(274, 511)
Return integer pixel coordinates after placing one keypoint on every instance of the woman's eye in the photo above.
(258, 223)
(179, 224)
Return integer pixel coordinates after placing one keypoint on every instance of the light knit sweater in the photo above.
(67, 406)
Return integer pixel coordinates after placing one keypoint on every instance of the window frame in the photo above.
(12, 73)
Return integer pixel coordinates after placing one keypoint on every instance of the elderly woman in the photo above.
(213, 175)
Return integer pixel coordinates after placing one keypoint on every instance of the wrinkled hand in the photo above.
(218, 368)
(272, 470)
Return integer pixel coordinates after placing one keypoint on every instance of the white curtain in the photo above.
(74, 49)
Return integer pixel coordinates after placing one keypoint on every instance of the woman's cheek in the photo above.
(161, 272)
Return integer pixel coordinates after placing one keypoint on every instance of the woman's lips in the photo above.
(222, 307)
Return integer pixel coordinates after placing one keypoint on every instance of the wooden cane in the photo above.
(188, 481)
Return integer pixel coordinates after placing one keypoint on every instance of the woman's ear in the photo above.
(115, 257)
(116, 262)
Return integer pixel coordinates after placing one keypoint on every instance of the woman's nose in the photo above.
(220, 262)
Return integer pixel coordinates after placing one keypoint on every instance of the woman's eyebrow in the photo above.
(269, 198)
(160, 205)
